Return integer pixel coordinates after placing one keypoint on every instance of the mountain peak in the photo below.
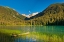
(30, 15)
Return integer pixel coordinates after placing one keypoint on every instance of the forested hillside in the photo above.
(9, 16)
(52, 15)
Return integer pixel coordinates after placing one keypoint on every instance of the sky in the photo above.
(28, 6)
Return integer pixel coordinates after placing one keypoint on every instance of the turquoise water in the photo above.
(39, 33)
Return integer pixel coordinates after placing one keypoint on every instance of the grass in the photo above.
(7, 31)
(6, 35)
(46, 37)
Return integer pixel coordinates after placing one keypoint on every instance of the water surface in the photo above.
(38, 33)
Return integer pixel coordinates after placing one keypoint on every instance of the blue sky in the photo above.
(28, 6)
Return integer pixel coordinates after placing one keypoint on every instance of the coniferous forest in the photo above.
(52, 15)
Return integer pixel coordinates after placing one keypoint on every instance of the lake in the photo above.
(36, 33)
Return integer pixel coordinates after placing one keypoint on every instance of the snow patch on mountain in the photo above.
(30, 15)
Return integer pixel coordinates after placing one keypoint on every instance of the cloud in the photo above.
(29, 11)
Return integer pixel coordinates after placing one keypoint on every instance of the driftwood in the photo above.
(15, 35)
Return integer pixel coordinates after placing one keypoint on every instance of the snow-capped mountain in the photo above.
(30, 15)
